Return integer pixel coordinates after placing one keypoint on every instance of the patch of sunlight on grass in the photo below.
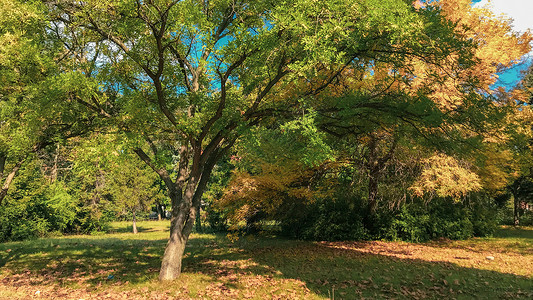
(120, 264)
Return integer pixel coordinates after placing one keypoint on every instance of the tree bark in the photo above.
(374, 170)
(373, 191)
(376, 165)
(159, 211)
(185, 207)
(134, 223)
(173, 256)
(9, 180)
(516, 211)
(198, 221)
(183, 216)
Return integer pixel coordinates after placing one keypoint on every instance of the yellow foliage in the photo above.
(444, 176)
(248, 194)
(498, 47)
(498, 169)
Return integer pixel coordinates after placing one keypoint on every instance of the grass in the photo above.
(122, 265)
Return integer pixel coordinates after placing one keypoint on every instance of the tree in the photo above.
(132, 185)
(20, 66)
(521, 144)
(186, 78)
(34, 107)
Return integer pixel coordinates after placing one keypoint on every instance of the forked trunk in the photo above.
(184, 212)
(183, 217)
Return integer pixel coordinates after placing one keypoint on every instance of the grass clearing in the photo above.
(122, 265)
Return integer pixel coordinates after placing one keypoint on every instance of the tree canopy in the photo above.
(357, 82)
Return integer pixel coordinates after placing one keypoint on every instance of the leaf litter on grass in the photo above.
(215, 268)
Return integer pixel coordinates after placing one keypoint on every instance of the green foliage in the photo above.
(217, 218)
(440, 218)
(327, 220)
(36, 209)
(297, 141)
(91, 184)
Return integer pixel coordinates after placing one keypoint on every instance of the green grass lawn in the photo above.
(122, 265)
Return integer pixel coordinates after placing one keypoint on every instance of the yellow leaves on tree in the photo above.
(498, 168)
(498, 45)
(444, 176)
(248, 195)
(507, 150)
(497, 48)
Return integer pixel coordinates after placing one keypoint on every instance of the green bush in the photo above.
(24, 218)
(326, 220)
(402, 225)
(36, 208)
(345, 219)
(440, 218)
(216, 220)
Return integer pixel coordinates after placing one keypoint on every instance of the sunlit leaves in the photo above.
(446, 177)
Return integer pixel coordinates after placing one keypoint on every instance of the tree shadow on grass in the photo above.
(267, 264)
(525, 233)
(129, 229)
(92, 262)
(355, 274)
(79, 261)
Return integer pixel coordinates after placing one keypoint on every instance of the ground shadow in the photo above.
(355, 274)
(92, 262)
(323, 269)
(515, 232)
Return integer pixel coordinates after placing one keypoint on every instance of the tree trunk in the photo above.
(373, 174)
(376, 165)
(516, 211)
(9, 180)
(373, 192)
(158, 208)
(134, 223)
(183, 217)
(198, 221)
(185, 208)
(173, 256)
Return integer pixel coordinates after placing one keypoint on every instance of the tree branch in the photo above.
(163, 174)
(9, 179)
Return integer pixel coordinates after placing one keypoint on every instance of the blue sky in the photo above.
(521, 12)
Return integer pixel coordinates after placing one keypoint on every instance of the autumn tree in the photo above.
(185, 79)
(520, 144)
(446, 112)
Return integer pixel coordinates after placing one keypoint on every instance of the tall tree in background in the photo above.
(33, 113)
(521, 144)
(186, 78)
(132, 185)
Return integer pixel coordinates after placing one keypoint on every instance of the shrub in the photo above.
(24, 218)
(327, 220)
